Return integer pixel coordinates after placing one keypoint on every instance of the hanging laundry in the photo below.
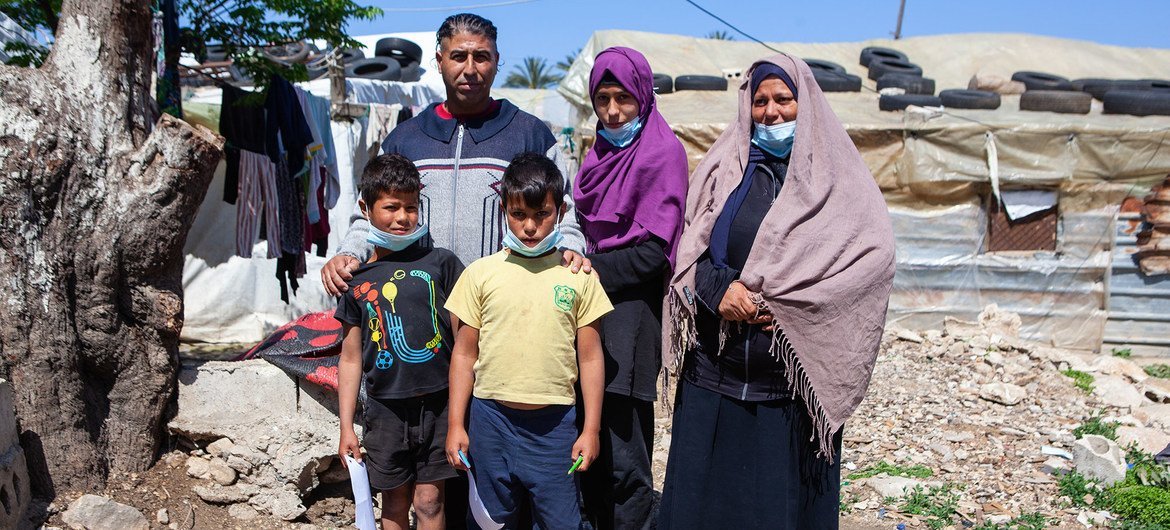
(257, 189)
(321, 115)
(242, 123)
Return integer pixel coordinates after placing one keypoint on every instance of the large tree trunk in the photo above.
(95, 202)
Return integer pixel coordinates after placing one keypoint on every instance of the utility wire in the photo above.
(728, 24)
(452, 8)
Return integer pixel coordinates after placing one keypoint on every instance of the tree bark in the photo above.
(95, 202)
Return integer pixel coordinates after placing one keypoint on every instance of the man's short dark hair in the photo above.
(388, 174)
(466, 23)
(532, 176)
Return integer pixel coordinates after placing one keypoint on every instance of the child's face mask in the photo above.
(545, 245)
(395, 242)
(532, 231)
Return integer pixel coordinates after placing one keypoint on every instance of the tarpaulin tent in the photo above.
(945, 175)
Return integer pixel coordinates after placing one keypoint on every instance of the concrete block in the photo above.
(215, 397)
(8, 433)
(1099, 458)
(15, 494)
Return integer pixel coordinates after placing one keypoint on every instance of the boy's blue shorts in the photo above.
(520, 456)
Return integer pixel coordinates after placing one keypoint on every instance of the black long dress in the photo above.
(740, 452)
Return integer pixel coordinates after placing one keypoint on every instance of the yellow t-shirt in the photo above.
(527, 311)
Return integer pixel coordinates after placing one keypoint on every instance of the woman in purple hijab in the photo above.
(630, 196)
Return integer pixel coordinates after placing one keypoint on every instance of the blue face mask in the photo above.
(622, 136)
(775, 139)
(395, 242)
(549, 242)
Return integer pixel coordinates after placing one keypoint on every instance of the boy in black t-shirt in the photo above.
(399, 336)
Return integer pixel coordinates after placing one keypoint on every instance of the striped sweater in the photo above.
(462, 163)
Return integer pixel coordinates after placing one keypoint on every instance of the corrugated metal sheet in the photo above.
(1139, 305)
(941, 272)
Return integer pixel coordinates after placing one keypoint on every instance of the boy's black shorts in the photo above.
(405, 440)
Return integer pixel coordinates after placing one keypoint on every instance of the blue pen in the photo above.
(464, 459)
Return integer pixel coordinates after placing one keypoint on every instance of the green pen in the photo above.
(576, 464)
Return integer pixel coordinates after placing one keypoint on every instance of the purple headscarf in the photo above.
(624, 195)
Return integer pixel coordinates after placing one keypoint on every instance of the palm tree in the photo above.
(564, 64)
(719, 35)
(532, 73)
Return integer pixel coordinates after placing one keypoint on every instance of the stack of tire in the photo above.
(1046, 92)
(832, 77)
(1136, 97)
(891, 68)
(394, 59)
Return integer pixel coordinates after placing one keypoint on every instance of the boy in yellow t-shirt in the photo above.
(519, 314)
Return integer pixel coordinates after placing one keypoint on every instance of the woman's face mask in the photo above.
(775, 139)
(618, 112)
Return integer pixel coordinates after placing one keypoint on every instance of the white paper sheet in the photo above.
(478, 510)
(364, 503)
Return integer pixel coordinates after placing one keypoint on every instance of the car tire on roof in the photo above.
(289, 53)
(870, 53)
(1062, 101)
(700, 82)
(1042, 81)
(1138, 102)
(349, 55)
(380, 68)
(830, 81)
(411, 72)
(912, 84)
(961, 98)
(1099, 87)
(827, 66)
(880, 67)
(900, 102)
(663, 84)
(402, 50)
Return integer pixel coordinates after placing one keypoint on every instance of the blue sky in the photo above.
(555, 28)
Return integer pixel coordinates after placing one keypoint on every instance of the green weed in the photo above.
(1143, 504)
(893, 470)
(1124, 353)
(1158, 370)
(1027, 521)
(1096, 425)
(1081, 380)
(937, 505)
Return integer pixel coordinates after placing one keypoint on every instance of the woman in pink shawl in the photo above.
(777, 306)
(630, 195)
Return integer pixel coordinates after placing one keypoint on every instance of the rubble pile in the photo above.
(992, 416)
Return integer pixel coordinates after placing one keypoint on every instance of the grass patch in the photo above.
(1141, 501)
(1081, 380)
(915, 471)
(1124, 353)
(1096, 425)
(936, 505)
(1142, 504)
(1161, 371)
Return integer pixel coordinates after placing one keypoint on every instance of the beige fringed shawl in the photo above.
(823, 258)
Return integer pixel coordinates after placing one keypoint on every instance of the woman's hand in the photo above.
(737, 306)
(576, 262)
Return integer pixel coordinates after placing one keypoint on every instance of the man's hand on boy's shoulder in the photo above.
(337, 272)
(576, 262)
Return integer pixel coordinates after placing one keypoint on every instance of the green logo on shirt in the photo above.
(564, 296)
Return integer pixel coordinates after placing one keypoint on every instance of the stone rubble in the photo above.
(94, 512)
(988, 412)
(1100, 459)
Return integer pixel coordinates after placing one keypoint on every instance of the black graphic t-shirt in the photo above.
(397, 302)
